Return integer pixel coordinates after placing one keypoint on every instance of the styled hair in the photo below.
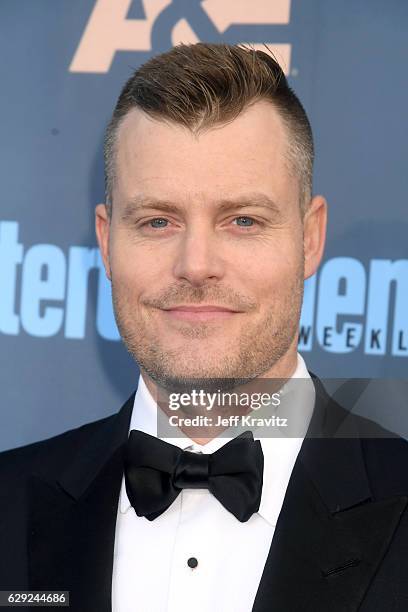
(203, 85)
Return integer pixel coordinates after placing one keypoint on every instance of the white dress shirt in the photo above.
(150, 570)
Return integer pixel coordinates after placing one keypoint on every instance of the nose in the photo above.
(199, 258)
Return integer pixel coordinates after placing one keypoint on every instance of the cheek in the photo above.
(287, 261)
(270, 283)
(136, 272)
(275, 265)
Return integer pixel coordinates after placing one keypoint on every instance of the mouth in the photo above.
(204, 312)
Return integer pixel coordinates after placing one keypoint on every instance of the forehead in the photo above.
(165, 159)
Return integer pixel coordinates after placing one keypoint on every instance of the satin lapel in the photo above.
(331, 535)
(319, 561)
(72, 520)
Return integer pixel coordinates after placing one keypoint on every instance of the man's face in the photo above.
(201, 222)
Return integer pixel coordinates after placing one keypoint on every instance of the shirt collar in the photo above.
(280, 452)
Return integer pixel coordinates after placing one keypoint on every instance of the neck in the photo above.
(203, 433)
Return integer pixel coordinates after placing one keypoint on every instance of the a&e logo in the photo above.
(156, 25)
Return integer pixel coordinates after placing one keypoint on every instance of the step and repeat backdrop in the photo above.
(63, 63)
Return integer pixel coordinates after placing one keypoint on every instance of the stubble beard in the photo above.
(260, 346)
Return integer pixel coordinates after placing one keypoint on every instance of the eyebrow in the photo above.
(141, 202)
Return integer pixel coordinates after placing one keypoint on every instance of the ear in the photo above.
(102, 229)
(314, 233)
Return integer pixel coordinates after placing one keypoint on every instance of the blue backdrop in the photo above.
(63, 65)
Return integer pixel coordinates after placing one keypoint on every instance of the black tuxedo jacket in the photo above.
(340, 545)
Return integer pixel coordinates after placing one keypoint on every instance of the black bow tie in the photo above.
(156, 471)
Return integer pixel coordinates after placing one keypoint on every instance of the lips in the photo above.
(193, 313)
(202, 308)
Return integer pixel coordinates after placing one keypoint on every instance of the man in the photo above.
(208, 232)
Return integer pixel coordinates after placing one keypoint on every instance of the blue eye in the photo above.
(245, 219)
(160, 222)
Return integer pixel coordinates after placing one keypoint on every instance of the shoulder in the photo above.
(385, 455)
(49, 455)
(50, 458)
(386, 458)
